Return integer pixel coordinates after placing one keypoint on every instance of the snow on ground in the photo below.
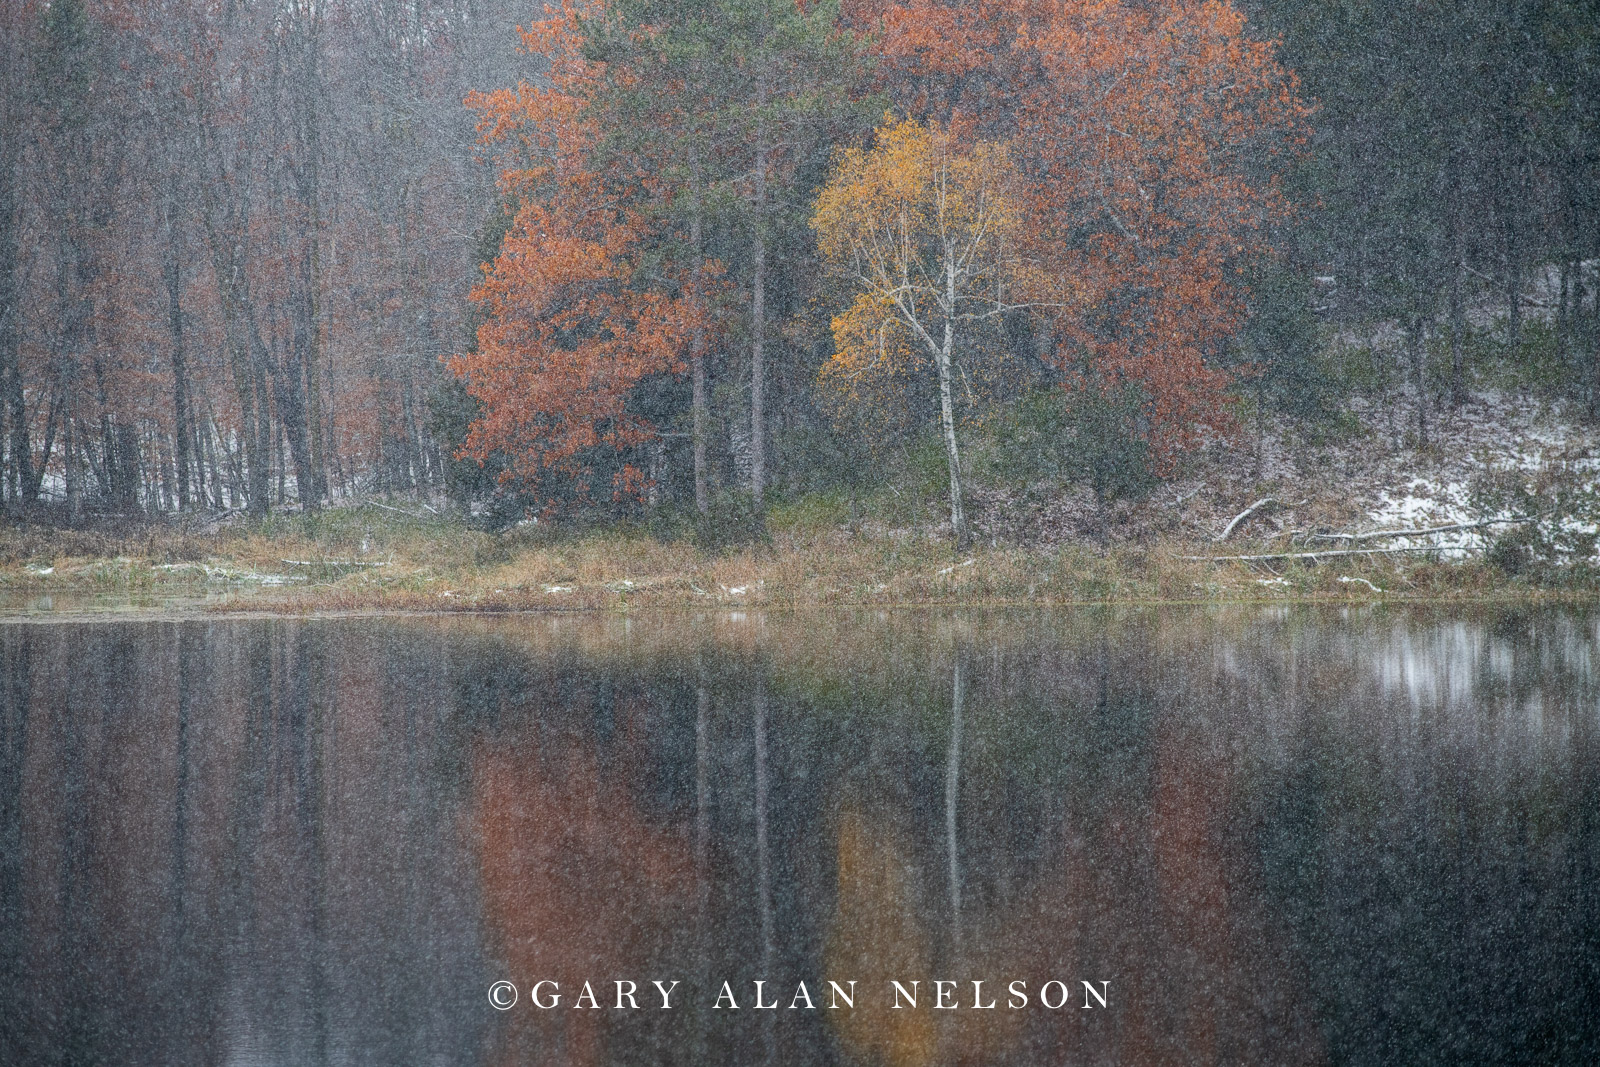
(1368, 477)
(1374, 477)
(1492, 433)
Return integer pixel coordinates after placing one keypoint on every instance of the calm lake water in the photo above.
(1260, 835)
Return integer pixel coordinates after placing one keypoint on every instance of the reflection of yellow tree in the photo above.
(925, 225)
(879, 933)
(877, 937)
(1200, 968)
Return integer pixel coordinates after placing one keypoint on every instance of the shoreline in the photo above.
(466, 594)
(369, 561)
(139, 614)
(1292, 517)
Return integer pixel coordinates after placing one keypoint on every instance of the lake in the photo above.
(1214, 835)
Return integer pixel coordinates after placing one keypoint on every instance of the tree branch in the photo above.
(1245, 515)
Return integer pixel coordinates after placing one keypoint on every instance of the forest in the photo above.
(678, 262)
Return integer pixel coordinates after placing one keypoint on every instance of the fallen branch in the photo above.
(1320, 555)
(1376, 535)
(1245, 515)
(334, 562)
(1521, 297)
(402, 511)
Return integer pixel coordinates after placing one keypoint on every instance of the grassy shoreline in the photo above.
(365, 559)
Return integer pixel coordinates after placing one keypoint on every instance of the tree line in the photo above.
(677, 255)
(234, 241)
(1456, 155)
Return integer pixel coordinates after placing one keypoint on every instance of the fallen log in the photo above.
(1321, 555)
(1377, 535)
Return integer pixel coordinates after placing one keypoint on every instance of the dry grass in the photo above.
(435, 564)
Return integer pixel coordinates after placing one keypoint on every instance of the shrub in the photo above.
(1090, 435)
(1560, 508)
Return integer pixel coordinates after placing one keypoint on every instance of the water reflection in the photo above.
(1288, 837)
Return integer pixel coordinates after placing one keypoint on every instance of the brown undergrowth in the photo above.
(366, 559)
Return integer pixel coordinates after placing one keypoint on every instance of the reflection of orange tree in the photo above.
(577, 884)
(1199, 973)
(1213, 922)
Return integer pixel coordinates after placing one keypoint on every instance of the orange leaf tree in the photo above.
(926, 227)
(1148, 136)
(576, 314)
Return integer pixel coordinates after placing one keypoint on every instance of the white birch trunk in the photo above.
(958, 517)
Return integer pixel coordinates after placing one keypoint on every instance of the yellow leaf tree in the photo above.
(924, 223)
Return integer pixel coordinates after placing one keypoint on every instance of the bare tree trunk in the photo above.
(278, 464)
(259, 496)
(1563, 314)
(1458, 318)
(286, 359)
(1513, 266)
(74, 492)
(31, 490)
(226, 196)
(244, 388)
(228, 263)
(1417, 351)
(412, 440)
(12, 95)
(313, 493)
(199, 462)
(947, 415)
(652, 492)
(332, 451)
(697, 343)
(292, 418)
(958, 516)
(125, 464)
(219, 480)
(172, 268)
(161, 493)
(1594, 332)
(1458, 329)
(758, 308)
(19, 467)
(17, 473)
(1589, 335)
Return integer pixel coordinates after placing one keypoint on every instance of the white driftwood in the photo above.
(1245, 515)
(1322, 554)
(334, 562)
(1377, 535)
